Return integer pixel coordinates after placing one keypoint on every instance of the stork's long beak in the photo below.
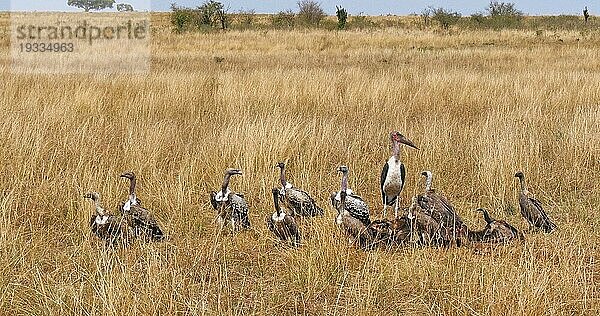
(408, 142)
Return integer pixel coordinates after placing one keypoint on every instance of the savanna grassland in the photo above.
(479, 104)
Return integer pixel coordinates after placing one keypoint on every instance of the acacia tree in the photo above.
(503, 9)
(124, 7)
(504, 15)
(446, 18)
(212, 13)
(89, 5)
(310, 12)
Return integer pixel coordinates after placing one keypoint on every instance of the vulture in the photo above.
(140, 219)
(495, 231)
(353, 212)
(281, 224)
(393, 174)
(231, 207)
(109, 228)
(296, 200)
(435, 205)
(531, 208)
(426, 230)
(353, 227)
(388, 233)
(354, 204)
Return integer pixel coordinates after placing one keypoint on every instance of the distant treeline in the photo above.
(212, 15)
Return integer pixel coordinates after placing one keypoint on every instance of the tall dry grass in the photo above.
(480, 105)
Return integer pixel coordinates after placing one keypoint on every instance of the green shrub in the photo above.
(124, 7)
(246, 18)
(503, 9)
(181, 18)
(361, 21)
(503, 15)
(211, 14)
(283, 19)
(310, 12)
(445, 17)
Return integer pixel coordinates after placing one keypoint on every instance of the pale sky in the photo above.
(368, 7)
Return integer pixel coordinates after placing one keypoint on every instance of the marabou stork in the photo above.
(394, 174)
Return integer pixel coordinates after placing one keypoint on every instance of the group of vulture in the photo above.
(135, 221)
(430, 220)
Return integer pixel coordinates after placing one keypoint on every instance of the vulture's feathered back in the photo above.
(532, 209)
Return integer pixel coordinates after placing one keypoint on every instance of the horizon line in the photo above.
(366, 15)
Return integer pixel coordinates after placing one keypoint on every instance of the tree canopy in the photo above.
(89, 5)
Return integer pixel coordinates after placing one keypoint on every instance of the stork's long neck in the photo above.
(428, 181)
(396, 150)
(276, 202)
(225, 184)
(282, 176)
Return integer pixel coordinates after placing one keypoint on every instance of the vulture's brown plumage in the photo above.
(140, 219)
(296, 200)
(495, 231)
(532, 209)
(451, 226)
(353, 212)
(231, 207)
(110, 228)
(282, 224)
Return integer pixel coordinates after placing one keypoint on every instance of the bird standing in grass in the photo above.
(110, 228)
(393, 174)
(296, 200)
(140, 219)
(532, 209)
(281, 224)
(231, 207)
(353, 212)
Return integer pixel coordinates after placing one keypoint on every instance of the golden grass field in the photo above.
(480, 105)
